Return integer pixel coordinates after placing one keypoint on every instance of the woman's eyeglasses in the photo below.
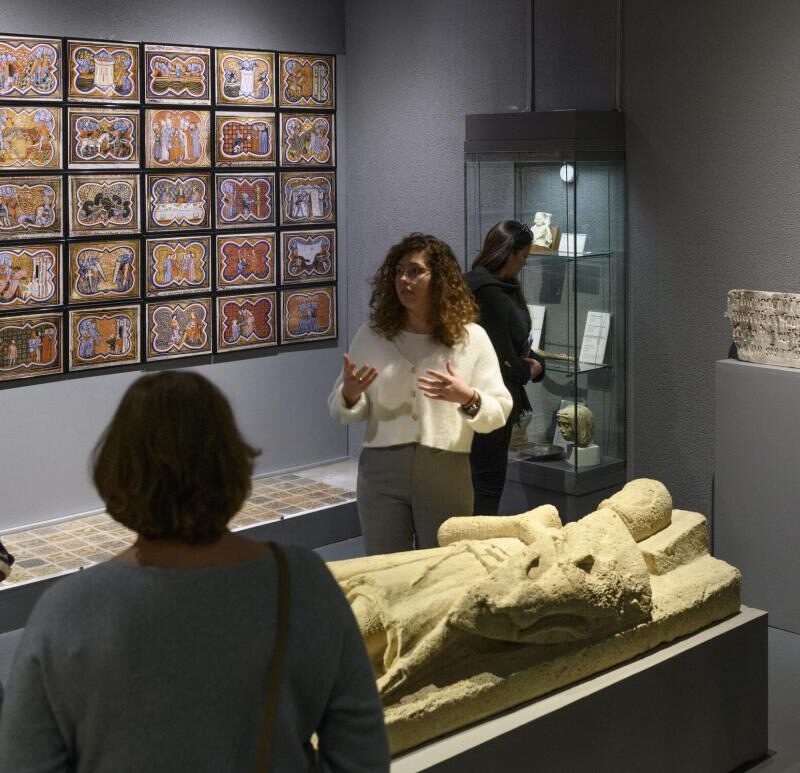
(412, 273)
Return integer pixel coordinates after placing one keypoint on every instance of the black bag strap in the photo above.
(264, 755)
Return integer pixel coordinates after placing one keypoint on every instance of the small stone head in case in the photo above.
(566, 418)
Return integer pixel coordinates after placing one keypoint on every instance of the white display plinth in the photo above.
(583, 457)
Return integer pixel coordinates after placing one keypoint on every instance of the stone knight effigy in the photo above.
(509, 608)
(766, 326)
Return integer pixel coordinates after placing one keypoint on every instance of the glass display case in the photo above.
(563, 174)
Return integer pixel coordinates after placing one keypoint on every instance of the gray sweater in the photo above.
(145, 669)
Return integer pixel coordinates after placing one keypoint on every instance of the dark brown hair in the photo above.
(452, 304)
(172, 464)
(502, 240)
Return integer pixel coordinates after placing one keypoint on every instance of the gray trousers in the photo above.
(406, 492)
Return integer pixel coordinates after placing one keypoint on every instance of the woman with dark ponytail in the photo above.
(505, 317)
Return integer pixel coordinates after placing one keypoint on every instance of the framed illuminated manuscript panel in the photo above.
(30, 137)
(177, 74)
(245, 77)
(104, 337)
(104, 270)
(308, 198)
(177, 202)
(30, 207)
(30, 276)
(103, 71)
(245, 199)
(30, 68)
(246, 260)
(178, 328)
(308, 256)
(30, 345)
(103, 204)
(177, 138)
(96, 293)
(246, 321)
(306, 81)
(102, 138)
(307, 140)
(308, 315)
(178, 266)
(244, 139)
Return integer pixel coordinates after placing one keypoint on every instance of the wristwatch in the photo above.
(473, 405)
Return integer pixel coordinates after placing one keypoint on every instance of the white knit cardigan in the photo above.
(395, 409)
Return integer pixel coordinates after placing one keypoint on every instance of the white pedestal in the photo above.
(583, 457)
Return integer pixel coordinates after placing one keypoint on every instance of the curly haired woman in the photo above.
(425, 377)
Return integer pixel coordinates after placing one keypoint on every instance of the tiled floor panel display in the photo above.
(55, 549)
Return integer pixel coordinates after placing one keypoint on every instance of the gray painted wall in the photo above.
(317, 26)
(575, 54)
(713, 190)
(48, 429)
(414, 69)
(713, 117)
(713, 108)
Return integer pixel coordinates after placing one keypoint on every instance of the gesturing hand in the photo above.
(355, 380)
(445, 386)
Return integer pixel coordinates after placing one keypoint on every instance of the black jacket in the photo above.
(509, 326)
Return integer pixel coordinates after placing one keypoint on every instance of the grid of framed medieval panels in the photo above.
(161, 201)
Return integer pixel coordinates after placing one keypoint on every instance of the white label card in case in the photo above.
(568, 243)
(595, 337)
(537, 323)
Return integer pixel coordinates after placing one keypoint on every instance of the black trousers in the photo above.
(488, 460)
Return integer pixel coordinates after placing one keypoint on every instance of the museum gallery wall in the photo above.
(162, 201)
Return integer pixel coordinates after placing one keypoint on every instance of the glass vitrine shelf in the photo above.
(579, 256)
(573, 368)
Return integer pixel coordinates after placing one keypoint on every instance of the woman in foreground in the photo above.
(159, 660)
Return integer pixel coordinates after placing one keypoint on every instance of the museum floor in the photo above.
(94, 537)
